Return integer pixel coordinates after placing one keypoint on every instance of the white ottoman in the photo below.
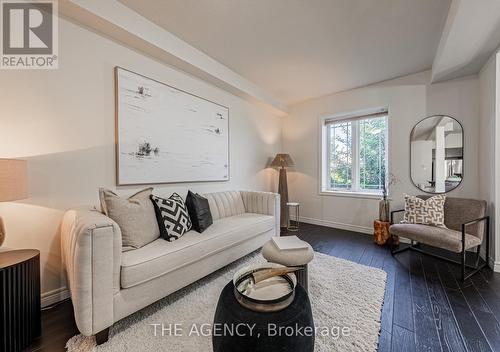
(290, 257)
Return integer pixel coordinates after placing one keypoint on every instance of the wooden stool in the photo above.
(381, 232)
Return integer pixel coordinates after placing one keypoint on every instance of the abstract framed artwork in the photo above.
(167, 135)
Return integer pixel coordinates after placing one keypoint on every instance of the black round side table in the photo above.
(238, 329)
(19, 298)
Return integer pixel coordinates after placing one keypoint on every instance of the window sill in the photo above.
(365, 195)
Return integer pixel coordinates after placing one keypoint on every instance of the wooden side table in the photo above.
(19, 298)
(381, 232)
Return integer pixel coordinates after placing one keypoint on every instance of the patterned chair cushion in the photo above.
(425, 212)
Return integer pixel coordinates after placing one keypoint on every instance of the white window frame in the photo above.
(324, 152)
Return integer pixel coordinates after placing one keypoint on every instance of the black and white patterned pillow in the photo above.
(172, 215)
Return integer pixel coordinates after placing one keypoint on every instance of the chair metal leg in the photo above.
(487, 241)
(463, 252)
(399, 250)
(463, 264)
(478, 256)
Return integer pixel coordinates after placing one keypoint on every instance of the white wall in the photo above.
(489, 146)
(62, 121)
(409, 99)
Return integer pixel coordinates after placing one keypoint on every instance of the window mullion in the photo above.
(342, 157)
(328, 171)
(355, 156)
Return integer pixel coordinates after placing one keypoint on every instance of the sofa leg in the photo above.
(102, 336)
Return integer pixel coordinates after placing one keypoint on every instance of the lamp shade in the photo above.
(13, 179)
(282, 160)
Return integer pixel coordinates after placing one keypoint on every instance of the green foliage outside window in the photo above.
(341, 156)
(371, 154)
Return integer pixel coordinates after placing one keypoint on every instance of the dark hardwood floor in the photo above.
(426, 306)
(58, 326)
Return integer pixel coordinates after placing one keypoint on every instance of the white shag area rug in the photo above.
(343, 294)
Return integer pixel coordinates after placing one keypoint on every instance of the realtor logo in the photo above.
(29, 34)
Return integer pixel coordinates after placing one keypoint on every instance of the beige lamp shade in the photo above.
(13, 179)
(282, 160)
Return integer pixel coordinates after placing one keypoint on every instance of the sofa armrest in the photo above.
(91, 245)
(266, 203)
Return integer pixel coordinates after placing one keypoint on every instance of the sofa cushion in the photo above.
(225, 204)
(161, 257)
(435, 236)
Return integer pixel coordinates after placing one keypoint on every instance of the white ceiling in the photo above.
(470, 36)
(301, 49)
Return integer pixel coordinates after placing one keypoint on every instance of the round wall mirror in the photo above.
(437, 153)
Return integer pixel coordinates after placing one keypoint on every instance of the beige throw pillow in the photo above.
(425, 212)
(135, 216)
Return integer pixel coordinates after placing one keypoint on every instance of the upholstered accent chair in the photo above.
(467, 227)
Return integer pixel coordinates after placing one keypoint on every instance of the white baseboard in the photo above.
(495, 265)
(54, 296)
(337, 225)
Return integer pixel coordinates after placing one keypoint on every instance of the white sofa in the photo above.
(107, 284)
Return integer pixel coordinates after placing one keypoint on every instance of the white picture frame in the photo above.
(167, 135)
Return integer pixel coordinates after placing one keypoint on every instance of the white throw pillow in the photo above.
(135, 216)
(425, 212)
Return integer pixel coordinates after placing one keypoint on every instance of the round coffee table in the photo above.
(238, 329)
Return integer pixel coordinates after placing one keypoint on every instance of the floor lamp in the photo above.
(283, 161)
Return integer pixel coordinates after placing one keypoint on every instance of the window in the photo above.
(354, 153)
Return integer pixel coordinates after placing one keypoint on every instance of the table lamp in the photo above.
(283, 161)
(13, 184)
